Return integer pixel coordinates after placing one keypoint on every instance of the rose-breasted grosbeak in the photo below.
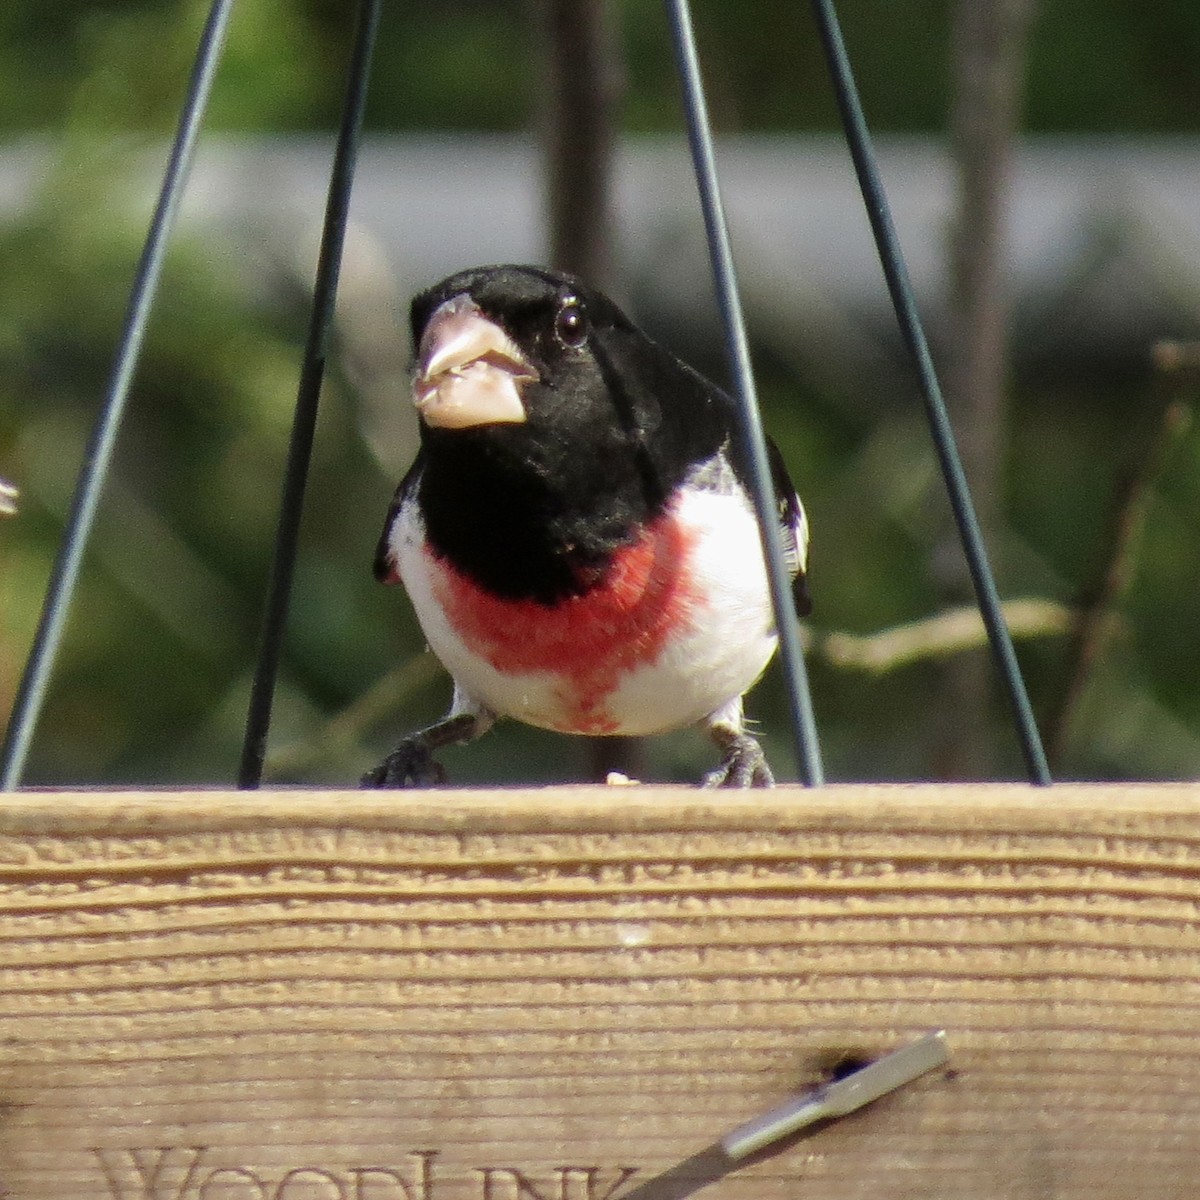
(575, 534)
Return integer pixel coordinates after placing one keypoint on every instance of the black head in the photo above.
(518, 346)
(549, 315)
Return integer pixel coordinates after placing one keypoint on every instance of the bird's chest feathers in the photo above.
(677, 623)
(622, 622)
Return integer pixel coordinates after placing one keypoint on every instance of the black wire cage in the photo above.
(99, 454)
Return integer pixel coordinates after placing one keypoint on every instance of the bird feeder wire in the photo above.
(312, 374)
(93, 473)
(804, 728)
(891, 258)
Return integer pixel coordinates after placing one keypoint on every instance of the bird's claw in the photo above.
(743, 765)
(411, 764)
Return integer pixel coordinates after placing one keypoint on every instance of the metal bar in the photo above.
(892, 260)
(312, 374)
(804, 729)
(847, 1095)
(98, 456)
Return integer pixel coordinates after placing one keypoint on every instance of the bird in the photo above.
(576, 534)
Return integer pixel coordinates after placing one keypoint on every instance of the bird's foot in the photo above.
(412, 765)
(743, 763)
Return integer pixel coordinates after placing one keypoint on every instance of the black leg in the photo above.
(412, 764)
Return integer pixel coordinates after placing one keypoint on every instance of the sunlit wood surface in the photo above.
(565, 994)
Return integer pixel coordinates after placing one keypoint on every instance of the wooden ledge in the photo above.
(588, 806)
(569, 993)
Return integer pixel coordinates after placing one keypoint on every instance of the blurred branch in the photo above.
(1130, 506)
(988, 60)
(948, 633)
(988, 65)
(582, 88)
(340, 736)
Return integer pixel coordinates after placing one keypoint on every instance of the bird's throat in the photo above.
(522, 533)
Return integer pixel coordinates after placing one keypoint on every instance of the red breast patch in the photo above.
(588, 641)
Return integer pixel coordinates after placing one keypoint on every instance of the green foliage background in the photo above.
(152, 683)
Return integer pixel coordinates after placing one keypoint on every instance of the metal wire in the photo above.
(804, 729)
(892, 259)
(312, 373)
(98, 457)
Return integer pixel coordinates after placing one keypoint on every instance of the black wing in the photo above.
(794, 524)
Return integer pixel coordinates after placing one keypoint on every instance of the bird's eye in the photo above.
(570, 324)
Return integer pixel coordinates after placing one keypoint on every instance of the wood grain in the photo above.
(570, 994)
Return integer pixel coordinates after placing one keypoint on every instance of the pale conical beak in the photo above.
(469, 371)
